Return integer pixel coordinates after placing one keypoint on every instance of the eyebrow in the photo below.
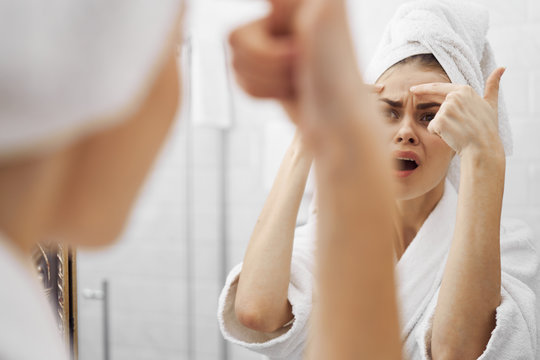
(399, 104)
(392, 103)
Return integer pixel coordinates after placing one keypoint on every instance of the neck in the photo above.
(413, 212)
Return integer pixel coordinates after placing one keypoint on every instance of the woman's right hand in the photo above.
(264, 57)
(261, 302)
(262, 61)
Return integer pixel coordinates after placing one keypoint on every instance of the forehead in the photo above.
(398, 80)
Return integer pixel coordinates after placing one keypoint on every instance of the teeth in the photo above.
(401, 158)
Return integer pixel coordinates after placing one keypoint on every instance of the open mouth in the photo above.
(405, 164)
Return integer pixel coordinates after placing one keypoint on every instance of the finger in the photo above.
(442, 89)
(265, 88)
(434, 127)
(255, 42)
(281, 16)
(261, 80)
(291, 108)
(491, 93)
(243, 62)
(430, 98)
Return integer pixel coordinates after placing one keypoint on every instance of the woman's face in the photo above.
(421, 158)
(106, 170)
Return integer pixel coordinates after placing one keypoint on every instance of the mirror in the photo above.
(154, 294)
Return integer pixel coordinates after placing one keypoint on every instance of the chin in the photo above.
(99, 239)
(92, 232)
(405, 192)
(411, 188)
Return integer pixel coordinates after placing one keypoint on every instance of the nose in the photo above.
(406, 133)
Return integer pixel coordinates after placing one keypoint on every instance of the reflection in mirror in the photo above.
(198, 211)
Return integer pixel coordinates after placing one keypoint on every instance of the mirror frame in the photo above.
(56, 267)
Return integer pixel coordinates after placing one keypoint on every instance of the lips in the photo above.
(406, 162)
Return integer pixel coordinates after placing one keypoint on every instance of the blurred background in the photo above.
(153, 295)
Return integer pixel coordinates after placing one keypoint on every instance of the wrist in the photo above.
(291, 108)
(299, 151)
(492, 154)
(491, 162)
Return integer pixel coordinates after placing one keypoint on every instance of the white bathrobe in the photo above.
(27, 324)
(418, 275)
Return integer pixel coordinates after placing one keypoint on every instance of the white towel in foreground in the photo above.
(69, 68)
(455, 33)
(419, 275)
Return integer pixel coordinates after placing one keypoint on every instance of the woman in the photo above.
(88, 92)
(467, 284)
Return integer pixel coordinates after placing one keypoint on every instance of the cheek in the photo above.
(389, 130)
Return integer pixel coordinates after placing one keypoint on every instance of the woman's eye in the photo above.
(391, 114)
(427, 117)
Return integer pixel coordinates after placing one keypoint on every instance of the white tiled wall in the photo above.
(167, 271)
(146, 274)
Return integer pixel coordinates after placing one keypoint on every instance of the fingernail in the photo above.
(379, 86)
(412, 89)
(503, 71)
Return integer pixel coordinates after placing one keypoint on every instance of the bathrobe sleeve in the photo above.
(515, 334)
(289, 341)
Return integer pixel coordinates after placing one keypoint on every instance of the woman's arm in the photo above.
(471, 287)
(261, 300)
(355, 316)
(357, 313)
(263, 63)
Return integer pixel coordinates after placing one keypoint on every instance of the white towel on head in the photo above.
(71, 67)
(455, 33)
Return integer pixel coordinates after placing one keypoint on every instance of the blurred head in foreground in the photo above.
(88, 91)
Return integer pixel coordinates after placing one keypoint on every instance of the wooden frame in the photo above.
(57, 270)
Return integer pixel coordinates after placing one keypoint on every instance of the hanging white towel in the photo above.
(210, 87)
(72, 67)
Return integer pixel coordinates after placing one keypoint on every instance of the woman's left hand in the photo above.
(466, 121)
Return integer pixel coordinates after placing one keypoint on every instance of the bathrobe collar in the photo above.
(419, 271)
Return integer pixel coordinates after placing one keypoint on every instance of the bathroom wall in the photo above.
(195, 216)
